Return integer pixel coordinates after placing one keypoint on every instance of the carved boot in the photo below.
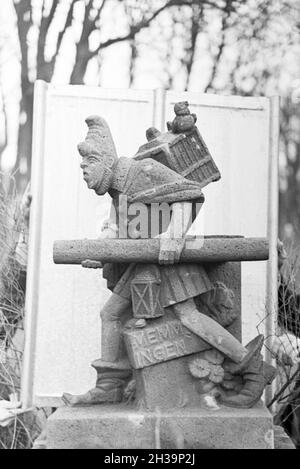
(254, 348)
(111, 380)
(255, 375)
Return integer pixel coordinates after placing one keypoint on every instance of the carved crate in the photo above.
(187, 154)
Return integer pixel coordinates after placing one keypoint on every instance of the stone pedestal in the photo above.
(123, 427)
(170, 411)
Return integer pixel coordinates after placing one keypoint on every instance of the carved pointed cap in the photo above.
(99, 141)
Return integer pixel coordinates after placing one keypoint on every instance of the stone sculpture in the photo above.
(169, 319)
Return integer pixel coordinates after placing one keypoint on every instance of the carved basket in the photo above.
(187, 154)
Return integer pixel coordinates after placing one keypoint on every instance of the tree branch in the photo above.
(23, 8)
(98, 16)
(68, 23)
(197, 16)
(88, 25)
(226, 16)
(42, 66)
(145, 23)
(134, 29)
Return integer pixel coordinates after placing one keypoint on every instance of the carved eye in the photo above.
(92, 159)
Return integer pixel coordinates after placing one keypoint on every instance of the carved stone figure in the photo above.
(170, 296)
(184, 120)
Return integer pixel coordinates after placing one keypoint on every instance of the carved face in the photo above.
(182, 108)
(95, 174)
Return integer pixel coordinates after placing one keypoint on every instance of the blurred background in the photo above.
(228, 47)
(242, 47)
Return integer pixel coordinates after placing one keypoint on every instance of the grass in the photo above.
(287, 396)
(20, 433)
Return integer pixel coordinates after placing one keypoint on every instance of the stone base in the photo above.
(122, 427)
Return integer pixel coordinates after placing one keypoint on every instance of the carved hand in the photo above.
(90, 264)
(109, 230)
(170, 249)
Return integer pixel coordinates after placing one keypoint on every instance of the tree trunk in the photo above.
(25, 136)
(80, 66)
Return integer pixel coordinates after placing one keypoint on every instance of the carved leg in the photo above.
(111, 316)
(209, 330)
(113, 370)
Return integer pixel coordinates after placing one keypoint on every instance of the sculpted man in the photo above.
(147, 182)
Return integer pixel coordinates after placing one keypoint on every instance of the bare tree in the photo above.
(249, 22)
(9, 85)
(139, 16)
(261, 68)
(289, 198)
(195, 26)
(225, 21)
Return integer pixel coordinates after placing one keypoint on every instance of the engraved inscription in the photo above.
(160, 353)
(155, 335)
(167, 340)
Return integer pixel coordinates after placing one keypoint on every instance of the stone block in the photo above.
(122, 427)
(161, 340)
(168, 385)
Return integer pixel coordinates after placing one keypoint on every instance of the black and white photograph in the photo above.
(150, 227)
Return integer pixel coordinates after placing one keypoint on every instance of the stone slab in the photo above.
(168, 385)
(122, 427)
(161, 340)
(166, 338)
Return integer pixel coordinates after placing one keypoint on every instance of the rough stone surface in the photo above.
(229, 273)
(147, 250)
(122, 427)
(185, 153)
(167, 385)
(161, 340)
(158, 352)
